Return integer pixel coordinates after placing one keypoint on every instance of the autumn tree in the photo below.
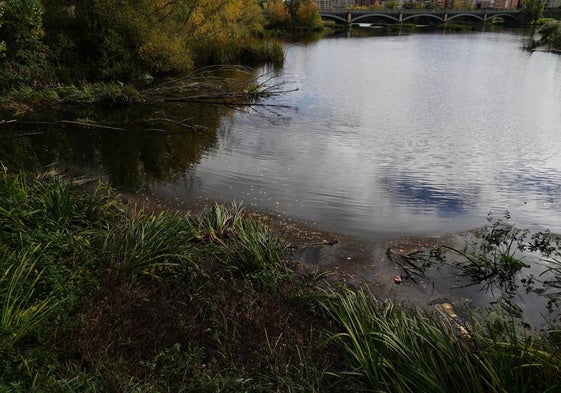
(120, 38)
(307, 14)
(220, 30)
(293, 14)
(276, 12)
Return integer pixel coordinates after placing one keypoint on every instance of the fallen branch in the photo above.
(205, 86)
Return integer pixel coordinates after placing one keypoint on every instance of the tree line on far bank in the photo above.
(45, 42)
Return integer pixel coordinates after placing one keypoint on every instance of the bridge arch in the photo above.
(424, 15)
(466, 14)
(355, 20)
(332, 16)
(511, 16)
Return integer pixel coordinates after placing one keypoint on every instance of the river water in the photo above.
(382, 137)
(413, 134)
(396, 135)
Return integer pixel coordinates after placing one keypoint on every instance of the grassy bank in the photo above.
(101, 294)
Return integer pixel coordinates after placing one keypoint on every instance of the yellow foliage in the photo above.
(163, 54)
(219, 29)
(292, 13)
(307, 13)
(276, 12)
(117, 38)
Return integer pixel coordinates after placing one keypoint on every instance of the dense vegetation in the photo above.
(101, 294)
(292, 15)
(532, 10)
(45, 42)
(551, 34)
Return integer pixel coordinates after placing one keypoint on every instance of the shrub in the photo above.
(276, 12)
(163, 54)
(22, 52)
(551, 34)
(292, 14)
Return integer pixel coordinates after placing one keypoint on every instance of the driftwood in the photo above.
(206, 86)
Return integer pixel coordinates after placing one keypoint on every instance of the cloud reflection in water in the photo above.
(418, 193)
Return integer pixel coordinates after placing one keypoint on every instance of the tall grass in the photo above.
(21, 311)
(255, 248)
(218, 221)
(246, 245)
(147, 245)
(399, 349)
(80, 309)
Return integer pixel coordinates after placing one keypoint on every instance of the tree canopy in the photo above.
(533, 9)
(551, 34)
(292, 14)
(85, 39)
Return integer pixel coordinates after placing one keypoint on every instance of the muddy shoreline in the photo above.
(381, 266)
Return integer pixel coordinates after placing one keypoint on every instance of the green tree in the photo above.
(392, 4)
(120, 38)
(533, 10)
(21, 47)
(2, 43)
(551, 34)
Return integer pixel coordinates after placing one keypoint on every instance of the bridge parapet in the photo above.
(401, 15)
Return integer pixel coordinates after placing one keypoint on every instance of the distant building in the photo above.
(330, 4)
(553, 4)
(363, 3)
(497, 4)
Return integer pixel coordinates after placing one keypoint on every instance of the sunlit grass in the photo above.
(402, 349)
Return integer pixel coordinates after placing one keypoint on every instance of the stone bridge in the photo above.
(403, 15)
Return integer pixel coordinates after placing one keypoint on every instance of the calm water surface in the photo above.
(385, 137)
(399, 135)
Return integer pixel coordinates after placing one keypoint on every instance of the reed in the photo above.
(21, 311)
(255, 248)
(399, 349)
(148, 245)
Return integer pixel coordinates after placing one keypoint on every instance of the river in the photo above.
(396, 135)
(386, 136)
(382, 137)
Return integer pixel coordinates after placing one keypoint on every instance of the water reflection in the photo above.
(133, 158)
(416, 192)
(397, 135)
(385, 136)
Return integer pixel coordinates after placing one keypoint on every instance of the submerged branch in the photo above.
(235, 87)
(150, 123)
(65, 122)
(165, 120)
